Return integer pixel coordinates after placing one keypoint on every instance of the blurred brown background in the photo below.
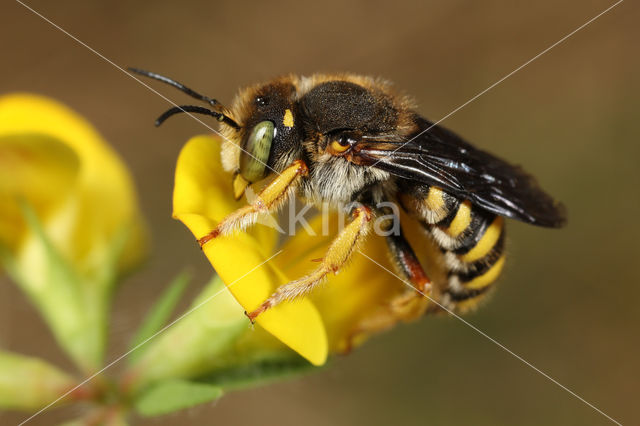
(568, 302)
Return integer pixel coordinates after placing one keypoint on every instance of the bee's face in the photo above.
(268, 136)
(318, 119)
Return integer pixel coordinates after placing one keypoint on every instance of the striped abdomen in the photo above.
(471, 239)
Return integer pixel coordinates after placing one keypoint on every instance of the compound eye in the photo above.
(256, 151)
(339, 145)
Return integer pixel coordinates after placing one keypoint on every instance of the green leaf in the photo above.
(174, 395)
(160, 313)
(260, 373)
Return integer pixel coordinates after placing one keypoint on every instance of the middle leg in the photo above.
(338, 254)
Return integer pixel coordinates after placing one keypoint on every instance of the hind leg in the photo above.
(413, 302)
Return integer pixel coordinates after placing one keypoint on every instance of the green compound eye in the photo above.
(258, 144)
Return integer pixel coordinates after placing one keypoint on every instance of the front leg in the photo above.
(271, 197)
(338, 254)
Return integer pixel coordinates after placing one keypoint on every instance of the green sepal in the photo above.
(174, 395)
(260, 373)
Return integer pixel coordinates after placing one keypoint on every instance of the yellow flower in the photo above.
(69, 219)
(313, 326)
(56, 161)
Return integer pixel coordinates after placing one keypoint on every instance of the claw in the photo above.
(254, 314)
(210, 236)
(250, 318)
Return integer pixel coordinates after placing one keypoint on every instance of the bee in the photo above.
(350, 140)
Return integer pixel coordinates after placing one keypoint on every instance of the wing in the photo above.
(441, 158)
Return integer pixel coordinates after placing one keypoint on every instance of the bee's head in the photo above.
(269, 137)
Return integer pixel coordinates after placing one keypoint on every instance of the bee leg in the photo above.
(408, 305)
(412, 303)
(338, 254)
(271, 197)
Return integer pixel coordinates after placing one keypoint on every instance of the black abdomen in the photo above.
(471, 239)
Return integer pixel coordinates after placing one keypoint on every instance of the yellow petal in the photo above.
(203, 195)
